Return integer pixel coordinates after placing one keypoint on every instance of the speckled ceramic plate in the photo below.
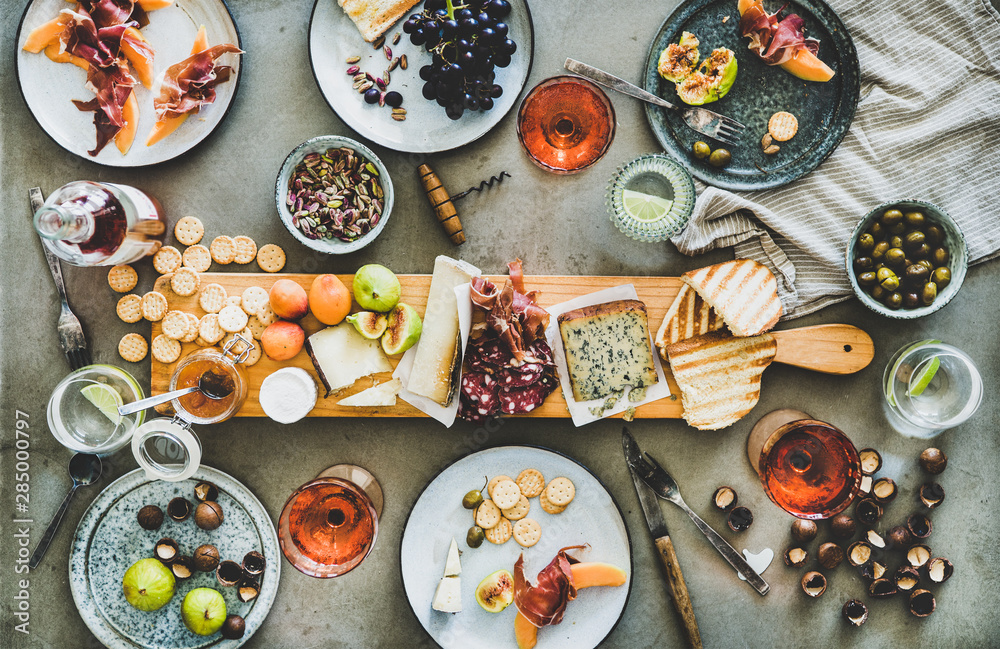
(824, 110)
(333, 38)
(593, 517)
(109, 540)
(48, 88)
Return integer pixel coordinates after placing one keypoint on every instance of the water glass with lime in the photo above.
(929, 387)
(83, 409)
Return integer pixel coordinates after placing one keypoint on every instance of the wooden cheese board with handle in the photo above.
(835, 349)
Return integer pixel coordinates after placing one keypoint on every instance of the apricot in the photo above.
(329, 299)
(282, 340)
(289, 300)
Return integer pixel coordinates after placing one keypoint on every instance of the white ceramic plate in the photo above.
(48, 88)
(108, 540)
(333, 38)
(593, 517)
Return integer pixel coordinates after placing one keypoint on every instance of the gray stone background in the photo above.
(558, 225)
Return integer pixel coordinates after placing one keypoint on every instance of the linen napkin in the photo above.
(927, 127)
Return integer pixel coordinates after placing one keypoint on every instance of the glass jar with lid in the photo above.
(227, 368)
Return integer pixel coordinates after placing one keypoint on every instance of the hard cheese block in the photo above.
(607, 348)
(341, 356)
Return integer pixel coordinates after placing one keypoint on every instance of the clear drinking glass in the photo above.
(82, 411)
(929, 387)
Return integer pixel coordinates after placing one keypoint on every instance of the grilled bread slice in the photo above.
(374, 17)
(719, 376)
(744, 292)
(688, 316)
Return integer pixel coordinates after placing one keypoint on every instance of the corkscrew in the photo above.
(444, 204)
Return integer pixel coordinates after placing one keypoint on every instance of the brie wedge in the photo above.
(448, 596)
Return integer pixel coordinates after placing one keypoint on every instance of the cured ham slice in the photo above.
(112, 85)
(190, 84)
(782, 41)
(544, 603)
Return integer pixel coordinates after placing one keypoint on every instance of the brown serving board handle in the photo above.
(829, 348)
(678, 590)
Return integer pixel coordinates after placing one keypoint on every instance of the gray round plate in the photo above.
(427, 129)
(49, 87)
(824, 110)
(108, 540)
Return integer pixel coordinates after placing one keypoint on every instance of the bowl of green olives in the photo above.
(906, 259)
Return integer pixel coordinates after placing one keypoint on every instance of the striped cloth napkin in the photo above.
(927, 127)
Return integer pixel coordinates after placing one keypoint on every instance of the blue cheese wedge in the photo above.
(383, 394)
(448, 596)
(607, 348)
(341, 356)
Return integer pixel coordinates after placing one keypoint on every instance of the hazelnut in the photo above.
(233, 628)
(208, 515)
(918, 555)
(871, 461)
(182, 567)
(179, 509)
(855, 612)
(906, 578)
(875, 539)
(166, 550)
(884, 490)
(206, 558)
(931, 494)
(865, 485)
(740, 519)
(830, 555)
(872, 570)
(900, 537)
(933, 460)
(919, 525)
(939, 570)
(229, 573)
(150, 517)
(843, 526)
(922, 602)
(724, 498)
(253, 563)
(803, 530)
(813, 583)
(882, 588)
(248, 589)
(868, 511)
(206, 491)
(796, 557)
(859, 553)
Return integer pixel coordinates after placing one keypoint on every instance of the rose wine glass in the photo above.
(807, 467)
(329, 524)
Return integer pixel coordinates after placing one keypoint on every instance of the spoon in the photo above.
(212, 384)
(84, 469)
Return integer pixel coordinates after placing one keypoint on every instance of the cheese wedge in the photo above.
(383, 394)
(341, 356)
(453, 566)
(448, 596)
(438, 353)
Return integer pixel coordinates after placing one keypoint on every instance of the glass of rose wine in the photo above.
(807, 467)
(329, 524)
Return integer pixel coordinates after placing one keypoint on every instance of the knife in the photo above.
(665, 549)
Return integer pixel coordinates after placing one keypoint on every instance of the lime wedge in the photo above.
(899, 361)
(923, 378)
(645, 207)
(106, 399)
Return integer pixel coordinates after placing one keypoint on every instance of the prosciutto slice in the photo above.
(112, 86)
(109, 12)
(100, 47)
(773, 38)
(545, 603)
(190, 84)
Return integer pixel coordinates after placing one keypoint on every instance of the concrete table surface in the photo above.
(558, 225)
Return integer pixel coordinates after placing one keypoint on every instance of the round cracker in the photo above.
(499, 533)
(506, 494)
(548, 507)
(167, 259)
(123, 278)
(494, 481)
(560, 492)
(189, 230)
(531, 482)
(271, 258)
(129, 308)
(233, 300)
(252, 357)
(246, 249)
(133, 347)
(185, 281)
(198, 258)
(527, 532)
(232, 319)
(267, 316)
(238, 346)
(154, 306)
(209, 329)
(487, 515)
(518, 511)
(256, 327)
(174, 325)
(254, 299)
(191, 333)
(223, 249)
(783, 126)
(166, 350)
(213, 298)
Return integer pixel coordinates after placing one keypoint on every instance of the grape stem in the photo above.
(451, 10)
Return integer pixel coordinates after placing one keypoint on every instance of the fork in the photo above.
(666, 488)
(71, 337)
(722, 128)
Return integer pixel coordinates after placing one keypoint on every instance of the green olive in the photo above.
(911, 300)
(940, 257)
(917, 274)
(914, 219)
(896, 241)
(867, 278)
(472, 499)
(923, 252)
(926, 263)
(701, 150)
(720, 158)
(892, 217)
(890, 283)
(877, 292)
(895, 257)
(878, 231)
(866, 242)
(893, 300)
(475, 536)
(941, 277)
(934, 235)
(878, 252)
(914, 240)
(899, 228)
(884, 274)
(862, 264)
(929, 293)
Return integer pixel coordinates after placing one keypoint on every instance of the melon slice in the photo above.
(164, 127)
(525, 632)
(590, 574)
(52, 51)
(45, 35)
(130, 113)
(153, 5)
(806, 66)
(139, 60)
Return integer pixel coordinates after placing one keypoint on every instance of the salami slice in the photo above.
(469, 412)
(522, 376)
(540, 349)
(488, 357)
(479, 393)
(517, 401)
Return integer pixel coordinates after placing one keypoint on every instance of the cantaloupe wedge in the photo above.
(164, 127)
(52, 51)
(45, 35)
(139, 61)
(200, 41)
(153, 5)
(806, 66)
(130, 113)
(525, 632)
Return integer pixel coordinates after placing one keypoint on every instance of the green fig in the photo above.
(148, 584)
(369, 324)
(679, 60)
(496, 591)
(204, 611)
(714, 78)
(376, 288)
(403, 331)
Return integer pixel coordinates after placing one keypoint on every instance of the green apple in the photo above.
(204, 611)
(376, 288)
(148, 584)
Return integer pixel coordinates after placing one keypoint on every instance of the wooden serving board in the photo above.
(657, 292)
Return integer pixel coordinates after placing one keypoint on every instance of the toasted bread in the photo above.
(744, 292)
(719, 376)
(374, 17)
(688, 316)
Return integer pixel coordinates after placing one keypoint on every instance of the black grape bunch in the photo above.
(468, 40)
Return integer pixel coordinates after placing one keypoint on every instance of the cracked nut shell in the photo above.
(229, 573)
(725, 498)
(906, 578)
(919, 525)
(813, 583)
(871, 461)
(859, 553)
(150, 517)
(931, 494)
(882, 588)
(918, 555)
(796, 557)
(843, 526)
(179, 509)
(868, 511)
(933, 460)
(166, 550)
(248, 589)
(253, 563)
(206, 491)
(206, 558)
(830, 555)
(865, 485)
(182, 567)
(900, 537)
(208, 515)
(855, 612)
(234, 627)
(740, 519)
(872, 570)
(804, 530)
(884, 490)
(939, 570)
(922, 602)
(875, 539)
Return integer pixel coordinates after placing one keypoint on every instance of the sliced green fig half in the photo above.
(369, 324)
(714, 78)
(496, 591)
(403, 330)
(679, 59)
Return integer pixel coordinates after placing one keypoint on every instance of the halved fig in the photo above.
(714, 78)
(496, 591)
(679, 60)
